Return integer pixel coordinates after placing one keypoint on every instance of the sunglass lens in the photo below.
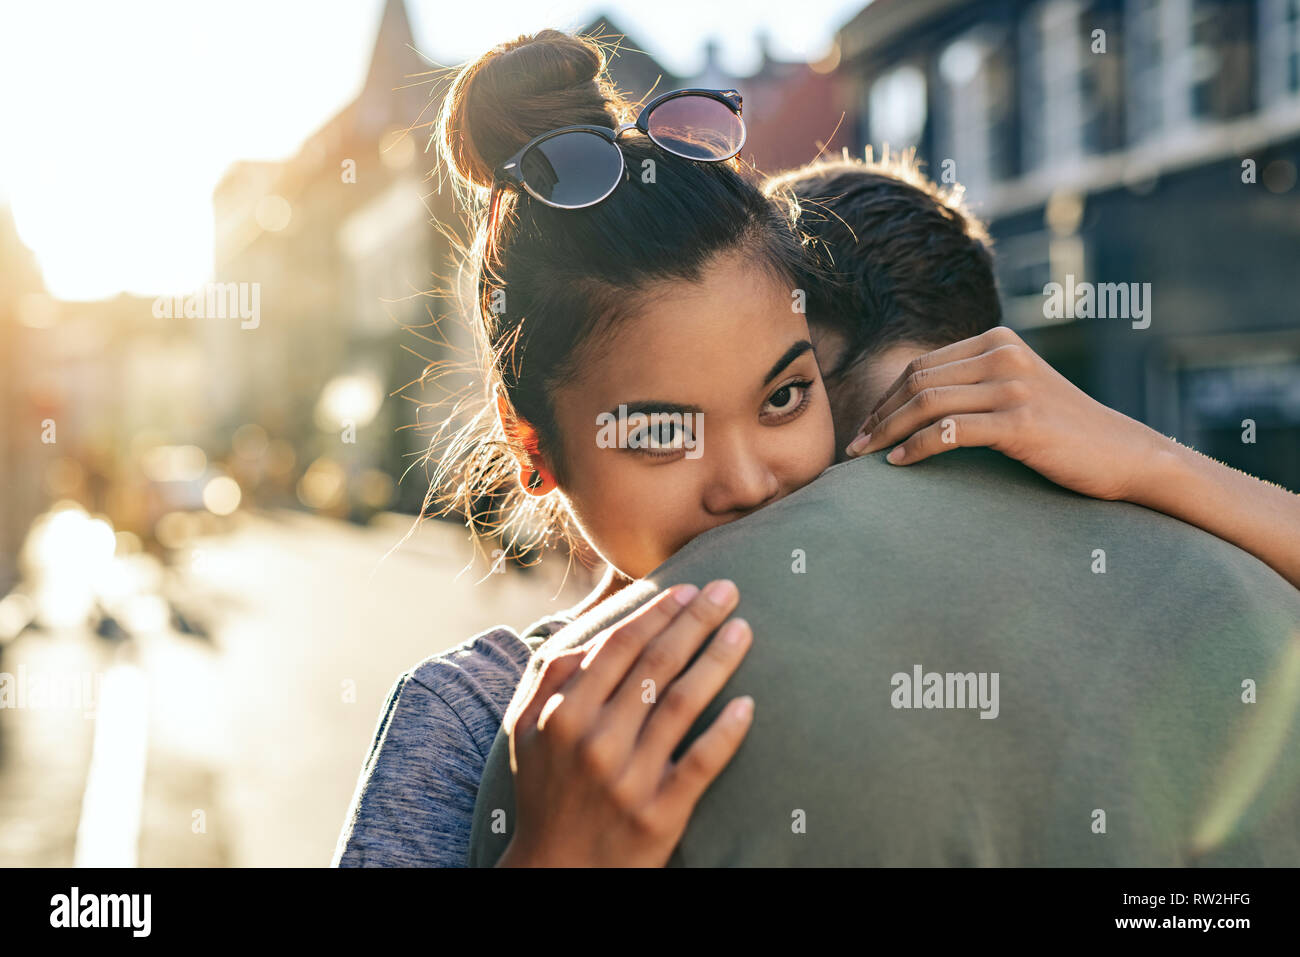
(572, 169)
(697, 127)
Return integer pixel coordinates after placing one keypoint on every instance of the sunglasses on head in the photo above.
(578, 166)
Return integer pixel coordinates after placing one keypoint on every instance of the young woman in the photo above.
(626, 276)
(663, 289)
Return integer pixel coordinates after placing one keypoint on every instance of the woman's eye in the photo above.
(661, 438)
(667, 435)
(782, 398)
(789, 398)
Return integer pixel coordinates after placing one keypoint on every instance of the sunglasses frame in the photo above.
(510, 171)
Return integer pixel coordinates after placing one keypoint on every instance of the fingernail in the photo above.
(684, 594)
(733, 633)
(741, 708)
(721, 591)
(858, 444)
(896, 455)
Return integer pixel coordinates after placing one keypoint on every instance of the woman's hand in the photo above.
(591, 748)
(993, 390)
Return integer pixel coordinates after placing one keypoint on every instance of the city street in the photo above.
(241, 748)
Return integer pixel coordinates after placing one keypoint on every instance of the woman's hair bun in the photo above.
(519, 90)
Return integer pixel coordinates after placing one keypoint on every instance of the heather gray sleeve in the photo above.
(415, 798)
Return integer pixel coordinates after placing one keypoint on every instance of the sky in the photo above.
(118, 118)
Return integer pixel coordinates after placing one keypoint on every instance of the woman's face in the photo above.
(733, 360)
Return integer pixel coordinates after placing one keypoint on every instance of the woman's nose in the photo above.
(739, 480)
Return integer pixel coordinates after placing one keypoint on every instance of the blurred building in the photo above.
(21, 458)
(344, 245)
(1120, 141)
(352, 244)
(794, 110)
(87, 390)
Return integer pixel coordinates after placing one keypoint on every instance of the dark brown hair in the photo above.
(897, 258)
(549, 282)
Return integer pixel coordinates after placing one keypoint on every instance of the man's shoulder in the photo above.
(866, 506)
(869, 489)
(972, 540)
(966, 503)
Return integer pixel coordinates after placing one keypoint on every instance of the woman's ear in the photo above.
(534, 475)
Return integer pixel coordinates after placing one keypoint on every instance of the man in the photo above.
(900, 267)
(962, 663)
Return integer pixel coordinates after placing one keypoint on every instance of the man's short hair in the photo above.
(893, 258)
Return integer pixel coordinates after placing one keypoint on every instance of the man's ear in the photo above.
(829, 345)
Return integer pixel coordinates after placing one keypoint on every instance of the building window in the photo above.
(1072, 93)
(1293, 50)
(896, 108)
(1279, 50)
(1188, 61)
(1142, 41)
(1220, 63)
(1051, 67)
(974, 110)
(1102, 79)
(1158, 37)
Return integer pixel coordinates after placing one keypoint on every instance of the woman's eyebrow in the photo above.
(657, 405)
(646, 406)
(794, 352)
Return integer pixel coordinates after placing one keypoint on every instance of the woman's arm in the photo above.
(1257, 516)
(414, 799)
(993, 390)
(592, 745)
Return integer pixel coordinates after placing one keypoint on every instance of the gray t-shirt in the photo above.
(415, 797)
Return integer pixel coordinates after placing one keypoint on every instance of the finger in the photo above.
(932, 404)
(612, 653)
(686, 781)
(663, 660)
(968, 371)
(954, 352)
(687, 697)
(554, 673)
(568, 713)
(524, 719)
(950, 432)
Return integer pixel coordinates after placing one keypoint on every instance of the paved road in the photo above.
(256, 735)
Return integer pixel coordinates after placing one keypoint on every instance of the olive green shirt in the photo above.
(1147, 681)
